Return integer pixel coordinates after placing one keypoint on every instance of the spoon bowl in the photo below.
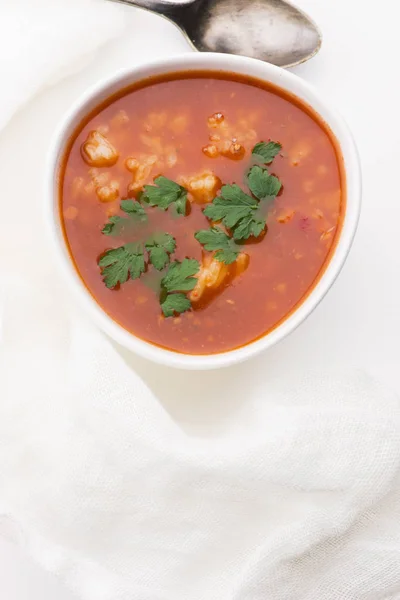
(271, 30)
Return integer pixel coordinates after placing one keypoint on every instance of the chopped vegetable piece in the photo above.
(216, 239)
(233, 150)
(109, 192)
(160, 246)
(213, 276)
(211, 151)
(210, 277)
(116, 223)
(203, 186)
(266, 152)
(97, 151)
(285, 216)
(120, 263)
(165, 193)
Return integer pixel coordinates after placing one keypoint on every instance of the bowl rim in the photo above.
(192, 62)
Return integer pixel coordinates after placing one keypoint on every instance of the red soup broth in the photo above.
(199, 130)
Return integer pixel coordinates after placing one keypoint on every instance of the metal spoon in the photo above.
(271, 30)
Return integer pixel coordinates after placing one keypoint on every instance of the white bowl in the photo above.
(203, 62)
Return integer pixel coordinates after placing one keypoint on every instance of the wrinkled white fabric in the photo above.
(43, 40)
(295, 497)
(112, 495)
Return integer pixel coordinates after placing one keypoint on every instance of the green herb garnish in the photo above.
(240, 212)
(160, 246)
(237, 211)
(134, 209)
(263, 185)
(119, 264)
(165, 193)
(216, 239)
(265, 152)
(116, 224)
(178, 279)
(175, 304)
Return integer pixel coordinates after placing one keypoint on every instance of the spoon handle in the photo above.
(167, 9)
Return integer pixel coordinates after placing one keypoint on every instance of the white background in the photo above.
(358, 324)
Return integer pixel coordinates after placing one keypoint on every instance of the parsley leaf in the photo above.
(237, 211)
(249, 226)
(160, 246)
(263, 185)
(216, 239)
(179, 278)
(115, 224)
(231, 206)
(165, 193)
(266, 152)
(175, 303)
(134, 209)
(120, 263)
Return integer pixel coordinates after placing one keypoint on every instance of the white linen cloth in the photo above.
(294, 496)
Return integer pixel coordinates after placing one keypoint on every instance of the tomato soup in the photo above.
(201, 209)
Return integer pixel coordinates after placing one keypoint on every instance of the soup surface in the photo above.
(199, 210)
